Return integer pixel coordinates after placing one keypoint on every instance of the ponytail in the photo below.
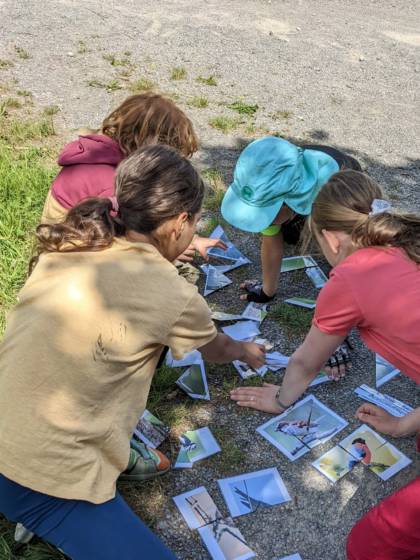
(345, 204)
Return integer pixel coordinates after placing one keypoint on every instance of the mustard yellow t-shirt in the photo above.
(77, 360)
(53, 212)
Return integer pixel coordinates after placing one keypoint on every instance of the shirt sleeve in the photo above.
(193, 329)
(270, 231)
(337, 310)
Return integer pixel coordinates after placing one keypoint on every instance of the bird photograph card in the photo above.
(150, 430)
(288, 264)
(196, 445)
(224, 541)
(335, 463)
(215, 280)
(388, 403)
(308, 303)
(231, 253)
(197, 507)
(246, 493)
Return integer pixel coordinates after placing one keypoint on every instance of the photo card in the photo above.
(222, 316)
(322, 377)
(194, 382)
(317, 276)
(197, 507)
(335, 463)
(308, 421)
(189, 359)
(292, 557)
(224, 541)
(231, 253)
(150, 430)
(242, 330)
(372, 450)
(196, 445)
(215, 280)
(289, 264)
(388, 403)
(384, 370)
(246, 493)
(308, 303)
(246, 371)
(276, 360)
(255, 312)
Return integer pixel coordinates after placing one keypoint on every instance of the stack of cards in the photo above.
(222, 539)
(303, 426)
(196, 445)
(150, 430)
(384, 370)
(249, 492)
(194, 382)
(246, 371)
(388, 403)
(362, 446)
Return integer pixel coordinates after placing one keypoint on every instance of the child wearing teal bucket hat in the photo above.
(275, 183)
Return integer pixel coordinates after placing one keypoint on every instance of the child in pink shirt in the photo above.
(89, 163)
(374, 286)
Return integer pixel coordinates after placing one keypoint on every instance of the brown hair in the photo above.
(344, 204)
(153, 185)
(150, 118)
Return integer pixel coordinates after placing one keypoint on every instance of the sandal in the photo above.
(144, 463)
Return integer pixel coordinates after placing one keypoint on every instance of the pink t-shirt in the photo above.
(376, 290)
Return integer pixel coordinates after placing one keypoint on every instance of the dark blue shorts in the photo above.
(84, 531)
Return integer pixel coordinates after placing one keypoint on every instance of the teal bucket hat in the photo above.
(271, 172)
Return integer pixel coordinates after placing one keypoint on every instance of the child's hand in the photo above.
(201, 244)
(380, 419)
(253, 354)
(255, 292)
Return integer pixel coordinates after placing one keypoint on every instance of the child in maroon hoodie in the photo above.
(89, 163)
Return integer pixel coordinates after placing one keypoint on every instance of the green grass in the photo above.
(23, 93)
(26, 173)
(243, 108)
(216, 191)
(209, 224)
(199, 102)
(231, 458)
(281, 115)
(9, 103)
(82, 47)
(114, 61)
(4, 64)
(224, 123)
(210, 81)
(22, 53)
(112, 85)
(142, 84)
(293, 320)
(51, 110)
(178, 73)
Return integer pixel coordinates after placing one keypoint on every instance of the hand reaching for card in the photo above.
(202, 244)
(261, 398)
(380, 419)
(253, 354)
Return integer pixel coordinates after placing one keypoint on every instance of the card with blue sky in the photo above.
(384, 370)
(246, 493)
(231, 253)
(196, 445)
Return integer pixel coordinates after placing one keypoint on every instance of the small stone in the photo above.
(270, 32)
(361, 58)
(298, 28)
(70, 54)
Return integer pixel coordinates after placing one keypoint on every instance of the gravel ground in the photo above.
(335, 72)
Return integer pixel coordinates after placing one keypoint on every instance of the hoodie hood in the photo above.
(91, 149)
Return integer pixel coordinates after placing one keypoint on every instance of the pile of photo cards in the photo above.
(242, 330)
(222, 539)
(150, 430)
(194, 382)
(195, 445)
(388, 403)
(366, 447)
(384, 370)
(246, 493)
(246, 371)
(301, 427)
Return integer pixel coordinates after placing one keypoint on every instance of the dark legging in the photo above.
(84, 531)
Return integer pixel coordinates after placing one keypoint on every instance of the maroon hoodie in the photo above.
(89, 165)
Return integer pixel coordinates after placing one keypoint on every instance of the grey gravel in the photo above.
(347, 74)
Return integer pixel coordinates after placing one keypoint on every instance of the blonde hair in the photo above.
(344, 204)
(150, 118)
